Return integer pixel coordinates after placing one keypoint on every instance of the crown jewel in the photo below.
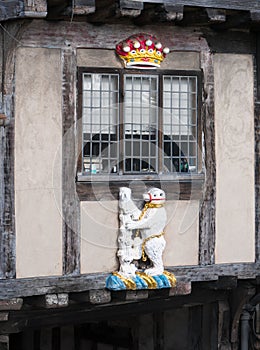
(141, 51)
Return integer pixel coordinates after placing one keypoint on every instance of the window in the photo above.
(138, 123)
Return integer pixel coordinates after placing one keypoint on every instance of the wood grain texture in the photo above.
(224, 4)
(10, 9)
(258, 66)
(21, 9)
(257, 178)
(85, 35)
(70, 203)
(26, 287)
(7, 210)
(101, 191)
(207, 210)
(117, 310)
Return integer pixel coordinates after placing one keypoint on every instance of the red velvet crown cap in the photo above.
(141, 51)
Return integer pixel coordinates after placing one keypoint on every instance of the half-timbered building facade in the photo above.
(77, 124)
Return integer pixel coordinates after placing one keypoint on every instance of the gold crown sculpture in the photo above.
(141, 51)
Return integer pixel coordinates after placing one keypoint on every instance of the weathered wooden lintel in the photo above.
(176, 190)
(19, 288)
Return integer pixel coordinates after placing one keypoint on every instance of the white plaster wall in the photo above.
(38, 132)
(182, 233)
(99, 231)
(234, 127)
(97, 58)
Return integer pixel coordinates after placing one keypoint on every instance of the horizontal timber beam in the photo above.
(246, 5)
(22, 9)
(116, 310)
(25, 287)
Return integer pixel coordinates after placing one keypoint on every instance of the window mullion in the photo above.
(160, 124)
(121, 157)
(141, 129)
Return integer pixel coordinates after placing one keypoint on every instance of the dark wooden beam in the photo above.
(224, 282)
(226, 41)
(105, 11)
(59, 10)
(237, 20)
(115, 310)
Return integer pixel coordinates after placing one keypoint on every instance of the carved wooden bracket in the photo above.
(174, 12)
(84, 7)
(131, 8)
(35, 8)
(216, 15)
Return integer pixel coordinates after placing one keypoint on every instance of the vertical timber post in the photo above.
(9, 38)
(70, 201)
(257, 149)
(208, 206)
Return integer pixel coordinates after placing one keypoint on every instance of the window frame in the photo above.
(117, 180)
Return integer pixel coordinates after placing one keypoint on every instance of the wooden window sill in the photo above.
(177, 186)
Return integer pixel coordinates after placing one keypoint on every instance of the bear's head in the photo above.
(155, 196)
